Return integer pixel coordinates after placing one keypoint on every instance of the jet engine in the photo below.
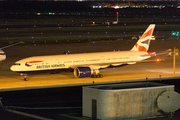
(81, 72)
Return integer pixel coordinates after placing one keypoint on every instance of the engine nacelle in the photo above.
(81, 72)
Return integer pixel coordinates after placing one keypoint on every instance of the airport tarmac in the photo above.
(147, 69)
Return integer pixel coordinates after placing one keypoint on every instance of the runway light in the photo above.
(177, 33)
(157, 60)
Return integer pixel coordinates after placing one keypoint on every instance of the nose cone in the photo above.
(12, 68)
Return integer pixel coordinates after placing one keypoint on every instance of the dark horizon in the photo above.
(44, 6)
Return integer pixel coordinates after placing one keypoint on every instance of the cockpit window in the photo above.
(17, 64)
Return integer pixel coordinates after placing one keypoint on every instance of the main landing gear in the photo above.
(96, 74)
(25, 77)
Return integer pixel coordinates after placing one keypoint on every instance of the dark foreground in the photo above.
(63, 103)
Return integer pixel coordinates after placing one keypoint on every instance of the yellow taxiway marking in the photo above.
(28, 115)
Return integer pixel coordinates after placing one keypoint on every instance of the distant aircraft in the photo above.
(87, 64)
(2, 54)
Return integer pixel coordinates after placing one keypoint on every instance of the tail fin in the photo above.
(144, 42)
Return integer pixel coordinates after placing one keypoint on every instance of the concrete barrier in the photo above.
(123, 101)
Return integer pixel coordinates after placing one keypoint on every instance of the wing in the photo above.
(10, 45)
(102, 65)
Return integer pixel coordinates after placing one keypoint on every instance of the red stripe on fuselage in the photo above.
(33, 62)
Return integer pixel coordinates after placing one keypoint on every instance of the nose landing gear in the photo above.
(25, 77)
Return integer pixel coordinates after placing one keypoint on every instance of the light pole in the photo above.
(175, 53)
(174, 63)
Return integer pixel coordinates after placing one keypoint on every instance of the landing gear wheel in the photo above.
(92, 76)
(26, 79)
(100, 75)
(97, 76)
(25, 76)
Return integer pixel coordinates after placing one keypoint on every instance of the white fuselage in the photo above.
(93, 60)
(2, 55)
(87, 64)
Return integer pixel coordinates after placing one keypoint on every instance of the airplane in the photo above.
(2, 54)
(87, 64)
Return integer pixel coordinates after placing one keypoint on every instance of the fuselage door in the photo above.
(103, 59)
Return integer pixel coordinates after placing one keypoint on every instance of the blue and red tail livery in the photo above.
(144, 42)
